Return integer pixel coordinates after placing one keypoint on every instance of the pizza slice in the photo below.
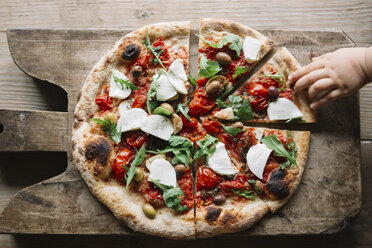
(267, 96)
(273, 159)
(227, 52)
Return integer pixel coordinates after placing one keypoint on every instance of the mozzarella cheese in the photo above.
(124, 106)
(283, 109)
(251, 49)
(257, 157)
(162, 170)
(177, 76)
(258, 132)
(165, 90)
(131, 119)
(115, 88)
(220, 161)
(225, 114)
(150, 160)
(158, 125)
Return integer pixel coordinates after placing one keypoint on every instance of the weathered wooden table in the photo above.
(19, 92)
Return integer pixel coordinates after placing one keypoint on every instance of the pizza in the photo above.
(152, 142)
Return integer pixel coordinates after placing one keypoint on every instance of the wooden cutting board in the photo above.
(329, 195)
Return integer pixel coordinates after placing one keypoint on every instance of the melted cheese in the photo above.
(220, 161)
(162, 170)
(257, 157)
(116, 90)
(251, 49)
(225, 114)
(283, 109)
(177, 76)
(158, 125)
(131, 120)
(165, 90)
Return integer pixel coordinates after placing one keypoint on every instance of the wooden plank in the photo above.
(33, 131)
(341, 186)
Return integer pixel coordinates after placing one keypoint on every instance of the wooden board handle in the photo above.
(33, 130)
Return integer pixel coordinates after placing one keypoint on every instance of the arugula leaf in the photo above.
(170, 196)
(181, 147)
(245, 111)
(295, 119)
(125, 83)
(184, 109)
(240, 70)
(274, 143)
(140, 156)
(192, 80)
(292, 151)
(208, 68)
(244, 193)
(279, 77)
(252, 181)
(151, 94)
(231, 130)
(157, 51)
(207, 147)
(109, 128)
(234, 40)
(224, 92)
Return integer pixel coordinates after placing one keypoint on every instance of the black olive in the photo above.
(131, 52)
(136, 71)
(219, 199)
(180, 169)
(272, 92)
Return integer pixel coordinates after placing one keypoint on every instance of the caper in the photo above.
(138, 176)
(136, 71)
(131, 52)
(110, 116)
(223, 58)
(213, 87)
(238, 124)
(149, 211)
(219, 199)
(272, 92)
(167, 106)
(177, 123)
(180, 169)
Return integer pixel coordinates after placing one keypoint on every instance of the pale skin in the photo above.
(334, 75)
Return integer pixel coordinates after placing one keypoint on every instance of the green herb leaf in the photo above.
(181, 147)
(232, 39)
(125, 83)
(295, 119)
(252, 181)
(207, 147)
(140, 156)
(240, 70)
(151, 94)
(274, 143)
(170, 196)
(192, 80)
(109, 128)
(244, 193)
(245, 111)
(279, 77)
(184, 109)
(231, 130)
(292, 151)
(208, 68)
(157, 51)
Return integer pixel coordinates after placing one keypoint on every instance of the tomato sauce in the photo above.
(124, 156)
(201, 102)
(185, 183)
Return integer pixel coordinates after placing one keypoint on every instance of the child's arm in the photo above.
(334, 75)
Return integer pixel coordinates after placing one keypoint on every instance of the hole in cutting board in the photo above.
(1, 128)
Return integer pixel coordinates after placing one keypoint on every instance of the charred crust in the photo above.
(77, 124)
(98, 150)
(228, 218)
(277, 185)
(212, 214)
(79, 96)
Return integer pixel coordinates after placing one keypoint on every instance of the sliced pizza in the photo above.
(267, 96)
(227, 52)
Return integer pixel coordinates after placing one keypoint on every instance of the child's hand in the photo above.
(333, 75)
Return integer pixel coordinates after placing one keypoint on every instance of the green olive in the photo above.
(238, 124)
(149, 211)
(138, 177)
(223, 58)
(177, 123)
(136, 71)
(111, 116)
(213, 87)
(167, 106)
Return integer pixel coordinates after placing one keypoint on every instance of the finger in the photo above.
(322, 85)
(330, 96)
(318, 64)
(319, 57)
(309, 79)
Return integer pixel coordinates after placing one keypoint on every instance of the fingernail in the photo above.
(314, 58)
(312, 106)
(290, 78)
